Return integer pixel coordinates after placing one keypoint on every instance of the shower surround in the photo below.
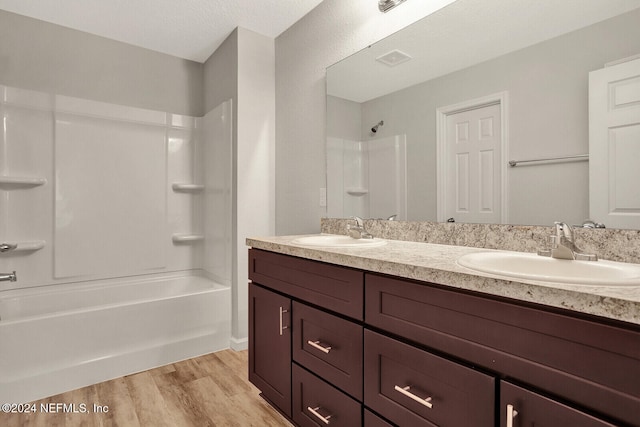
(93, 194)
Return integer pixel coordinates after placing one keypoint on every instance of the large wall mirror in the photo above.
(510, 79)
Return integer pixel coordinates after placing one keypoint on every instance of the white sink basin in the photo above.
(337, 241)
(535, 267)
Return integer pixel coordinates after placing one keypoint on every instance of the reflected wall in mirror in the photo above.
(535, 55)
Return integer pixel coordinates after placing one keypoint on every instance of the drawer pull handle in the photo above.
(405, 390)
(318, 346)
(315, 412)
(511, 414)
(282, 327)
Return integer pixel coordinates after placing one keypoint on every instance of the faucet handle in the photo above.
(358, 220)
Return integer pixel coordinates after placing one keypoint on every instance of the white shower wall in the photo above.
(90, 190)
(367, 178)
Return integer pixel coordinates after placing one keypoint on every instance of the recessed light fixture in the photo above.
(387, 5)
(393, 58)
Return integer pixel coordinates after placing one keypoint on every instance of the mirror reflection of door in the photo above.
(472, 173)
(614, 144)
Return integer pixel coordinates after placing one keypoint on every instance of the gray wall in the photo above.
(221, 74)
(242, 69)
(50, 58)
(344, 119)
(254, 162)
(548, 116)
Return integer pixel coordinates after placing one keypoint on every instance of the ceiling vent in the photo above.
(387, 5)
(393, 58)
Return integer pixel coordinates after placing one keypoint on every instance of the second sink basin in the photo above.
(336, 241)
(535, 267)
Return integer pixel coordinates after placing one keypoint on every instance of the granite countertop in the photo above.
(436, 263)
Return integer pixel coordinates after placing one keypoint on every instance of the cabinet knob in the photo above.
(405, 390)
(317, 414)
(511, 414)
(317, 345)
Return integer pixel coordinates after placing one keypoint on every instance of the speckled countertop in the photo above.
(436, 263)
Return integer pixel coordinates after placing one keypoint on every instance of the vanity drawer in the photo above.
(412, 387)
(329, 346)
(313, 399)
(339, 289)
(531, 409)
(549, 349)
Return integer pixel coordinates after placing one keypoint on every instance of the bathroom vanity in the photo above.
(402, 335)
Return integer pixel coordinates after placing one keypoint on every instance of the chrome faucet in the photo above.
(563, 245)
(8, 277)
(357, 231)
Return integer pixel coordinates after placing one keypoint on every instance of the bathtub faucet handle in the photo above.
(8, 277)
(6, 247)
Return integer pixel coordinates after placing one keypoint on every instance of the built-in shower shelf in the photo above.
(179, 187)
(20, 181)
(187, 238)
(24, 246)
(356, 191)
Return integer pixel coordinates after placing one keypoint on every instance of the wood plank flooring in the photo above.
(211, 390)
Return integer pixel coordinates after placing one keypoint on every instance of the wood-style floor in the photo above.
(211, 390)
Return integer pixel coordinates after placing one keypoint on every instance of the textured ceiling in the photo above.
(191, 29)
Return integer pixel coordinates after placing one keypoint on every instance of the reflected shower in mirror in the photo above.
(529, 61)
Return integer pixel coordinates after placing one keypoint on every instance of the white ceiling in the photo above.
(190, 29)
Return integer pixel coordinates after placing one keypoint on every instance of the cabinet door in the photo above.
(523, 408)
(270, 346)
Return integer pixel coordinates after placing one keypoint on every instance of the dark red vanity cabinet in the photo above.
(594, 364)
(270, 346)
(358, 348)
(306, 317)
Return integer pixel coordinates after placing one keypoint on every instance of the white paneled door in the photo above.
(614, 145)
(472, 173)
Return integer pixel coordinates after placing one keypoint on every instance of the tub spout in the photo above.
(8, 277)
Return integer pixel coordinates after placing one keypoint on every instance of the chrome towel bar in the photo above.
(513, 163)
(8, 277)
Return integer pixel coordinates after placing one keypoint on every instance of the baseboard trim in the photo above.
(239, 344)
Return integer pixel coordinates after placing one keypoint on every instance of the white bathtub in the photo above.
(57, 338)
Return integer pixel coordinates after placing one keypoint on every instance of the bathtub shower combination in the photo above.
(117, 221)
(81, 334)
